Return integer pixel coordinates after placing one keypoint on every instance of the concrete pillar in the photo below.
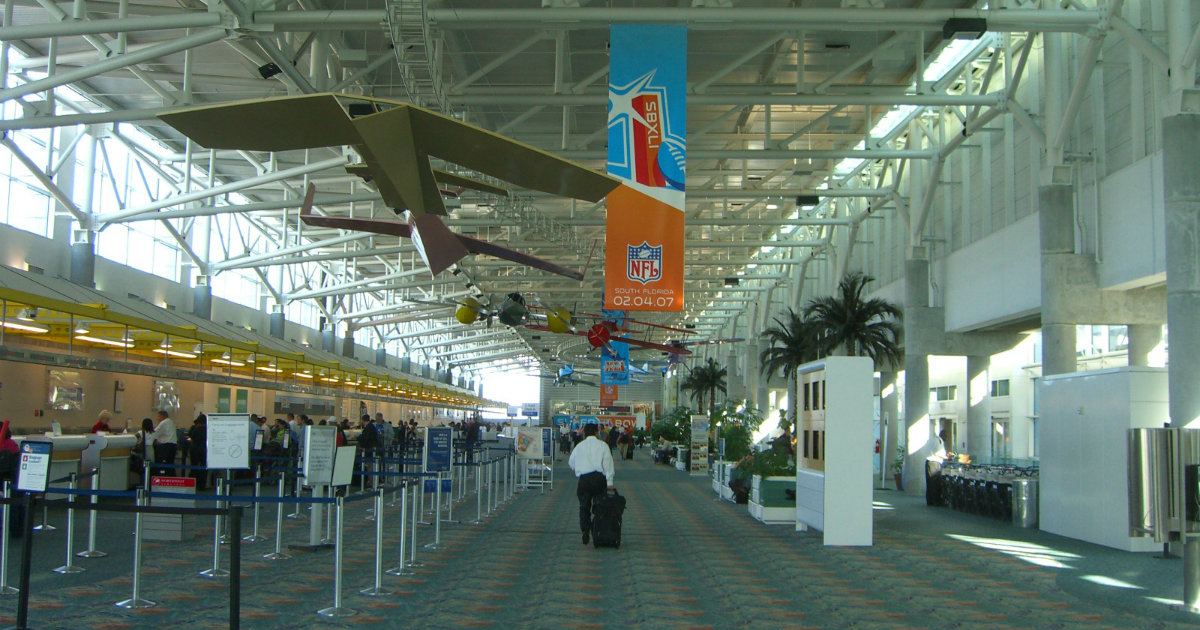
(1181, 177)
(83, 258)
(1057, 224)
(916, 374)
(348, 344)
(329, 340)
(1143, 339)
(277, 324)
(381, 357)
(978, 408)
(202, 298)
(889, 414)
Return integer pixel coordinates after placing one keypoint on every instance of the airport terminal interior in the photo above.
(892, 303)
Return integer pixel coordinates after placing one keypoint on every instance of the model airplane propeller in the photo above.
(396, 141)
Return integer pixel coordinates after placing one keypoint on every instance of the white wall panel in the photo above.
(1132, 226)
(1084, 419)
(994, 279)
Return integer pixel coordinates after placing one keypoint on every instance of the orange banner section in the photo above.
(643, 259)
(608, 395)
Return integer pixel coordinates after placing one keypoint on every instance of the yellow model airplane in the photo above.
(396, 141)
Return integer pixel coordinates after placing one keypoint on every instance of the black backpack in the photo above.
(8, 466)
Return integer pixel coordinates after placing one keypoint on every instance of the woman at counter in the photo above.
(143, 450)
(102, 422)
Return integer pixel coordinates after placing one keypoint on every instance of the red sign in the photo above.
(173, 482)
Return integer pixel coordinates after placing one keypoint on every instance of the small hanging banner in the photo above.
(647, 149)
(608, 395)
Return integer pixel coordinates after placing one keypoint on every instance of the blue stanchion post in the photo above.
(279, 554)
(70, 567)
(135, 601)
(5, 589)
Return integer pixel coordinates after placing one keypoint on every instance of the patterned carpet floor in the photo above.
(687, 562)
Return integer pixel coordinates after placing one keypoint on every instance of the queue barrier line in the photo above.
(238, 509)
(240, 498)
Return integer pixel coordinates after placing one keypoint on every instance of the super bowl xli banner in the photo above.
(643, 261)
(614, 366)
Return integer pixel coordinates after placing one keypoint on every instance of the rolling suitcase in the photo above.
(606, 519)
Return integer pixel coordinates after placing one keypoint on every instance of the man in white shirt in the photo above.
(592, 463)
(165, 440)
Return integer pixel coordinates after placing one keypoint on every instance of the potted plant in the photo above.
(898, 467)
(774, 474)
(735, 424)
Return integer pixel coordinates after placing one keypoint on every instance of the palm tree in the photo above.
(706, 379)
(793, 342)
(858, 326)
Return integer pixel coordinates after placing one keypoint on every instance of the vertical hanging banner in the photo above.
(647, 146)
(614, 366)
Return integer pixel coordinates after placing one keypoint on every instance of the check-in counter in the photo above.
(110, 454)
(64, 459)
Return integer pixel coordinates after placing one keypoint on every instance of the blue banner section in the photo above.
(547, 442)
(614, 366)
(647, 79)
(437, 449)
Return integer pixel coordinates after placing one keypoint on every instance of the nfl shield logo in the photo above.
(644, 263)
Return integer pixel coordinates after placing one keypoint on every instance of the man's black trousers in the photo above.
(591, 487)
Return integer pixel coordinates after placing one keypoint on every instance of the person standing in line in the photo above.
(165, 440)
(592, 462)
(198, 450)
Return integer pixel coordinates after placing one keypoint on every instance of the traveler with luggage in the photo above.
(592, 462)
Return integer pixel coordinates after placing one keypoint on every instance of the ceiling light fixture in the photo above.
(29, 328)
(175, 353)
(102, 341)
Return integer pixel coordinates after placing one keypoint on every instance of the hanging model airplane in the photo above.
(396, 141)
(611, 328)
(566, 376)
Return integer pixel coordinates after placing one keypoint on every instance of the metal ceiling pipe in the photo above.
(599, 99)
(744, 18)
(483, 348)
(249, 182)
(432, 331)
(337, 255)
(465, 339)
(112, 63)
(308, 21)
(103, 27)
(71, 120)
(745, 193)
(334, 289)
(776, 154)
(285, 204)
(295, 249)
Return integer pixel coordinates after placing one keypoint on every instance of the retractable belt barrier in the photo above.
(29, 501)
(231, 506)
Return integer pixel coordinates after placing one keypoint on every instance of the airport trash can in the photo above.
(1025, 503)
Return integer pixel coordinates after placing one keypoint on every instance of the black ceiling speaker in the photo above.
(964, 28)
(269, 70)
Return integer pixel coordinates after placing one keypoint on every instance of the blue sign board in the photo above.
(430, 486)
(437, 449)
(547, 442)
(34, 472)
